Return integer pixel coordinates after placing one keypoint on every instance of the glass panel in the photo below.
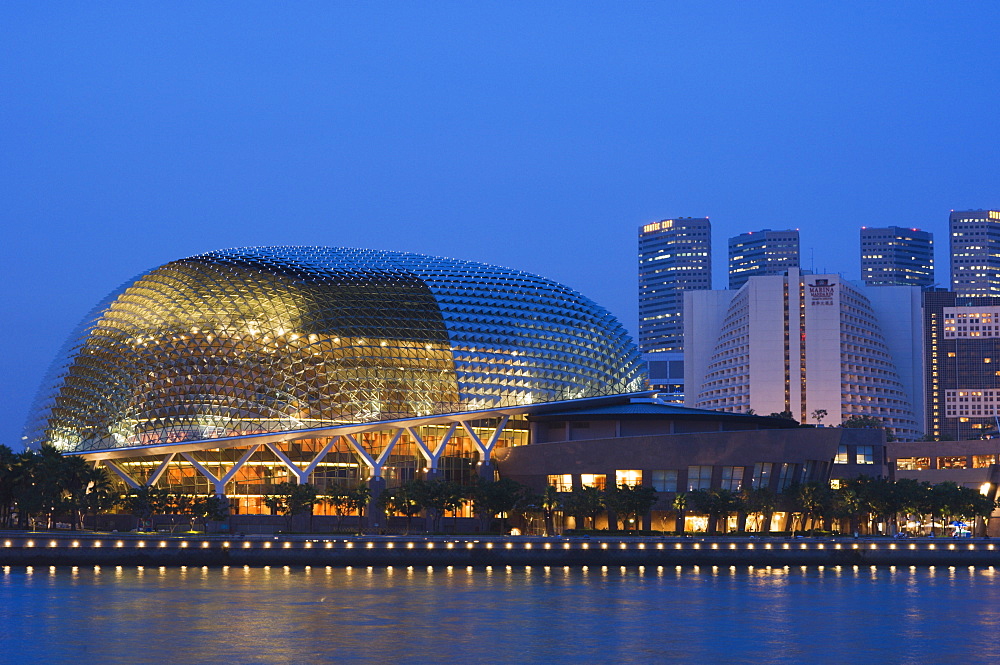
(699, 478)
(665, 480)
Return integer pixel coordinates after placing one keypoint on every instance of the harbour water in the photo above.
(891, 614)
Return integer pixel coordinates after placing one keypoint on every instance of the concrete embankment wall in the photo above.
(45, 549)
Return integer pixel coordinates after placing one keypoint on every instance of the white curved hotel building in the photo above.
(807, 344)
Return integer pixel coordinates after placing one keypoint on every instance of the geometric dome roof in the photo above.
(267, 339)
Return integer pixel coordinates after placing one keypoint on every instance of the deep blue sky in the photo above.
(533, 135)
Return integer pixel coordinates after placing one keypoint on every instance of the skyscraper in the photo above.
(675, 255)
(760, 253)
(896, 256)
(961, 365)
(975, 252)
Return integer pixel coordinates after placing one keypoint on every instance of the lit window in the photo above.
(956, 462)
(628, 477)
(865, 455)
(598, 480)
(983, 461)
(841, 457)
(562, 482)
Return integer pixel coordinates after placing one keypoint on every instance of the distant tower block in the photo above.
(975, 252)
(897, 256)
(760, 253)
(675, 255)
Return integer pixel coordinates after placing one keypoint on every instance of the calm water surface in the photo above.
(519, 615)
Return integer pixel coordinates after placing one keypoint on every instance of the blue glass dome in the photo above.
(270, 339)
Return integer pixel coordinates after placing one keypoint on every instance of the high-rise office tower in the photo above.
(896, 256)
(760, 253)
(675, 255)
(961, 365)
(975, 252)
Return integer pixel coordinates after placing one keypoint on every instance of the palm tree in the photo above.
(680, 505)
(551, 502)
(584, 502)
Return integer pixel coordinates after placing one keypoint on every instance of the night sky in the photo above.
(532, 135)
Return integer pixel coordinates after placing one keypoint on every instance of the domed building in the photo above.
(233, 369)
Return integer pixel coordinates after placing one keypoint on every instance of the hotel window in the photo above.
(841, 457)
(865, 455)
(628, 477)
(983, 461)
(957, 462)
(762, 474)
(562, 482)
(732, 478)
(598, 480)
(665, 480)
(699, 478)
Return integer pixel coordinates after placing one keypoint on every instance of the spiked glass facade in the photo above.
(275, 339)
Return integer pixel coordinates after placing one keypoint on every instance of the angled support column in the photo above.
(160, 470)
(432, 456)
(486, 449)
(273, 447)
(239, 465)
(319, 458)
(121, 474)
(217, 483)
(360, 450)
(375, 464)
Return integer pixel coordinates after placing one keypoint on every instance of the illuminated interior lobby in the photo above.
(231, 371)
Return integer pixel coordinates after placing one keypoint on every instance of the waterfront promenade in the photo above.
(78, 549)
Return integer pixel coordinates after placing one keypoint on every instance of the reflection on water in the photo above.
(501, 614)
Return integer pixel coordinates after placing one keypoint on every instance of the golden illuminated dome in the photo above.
(269, 339)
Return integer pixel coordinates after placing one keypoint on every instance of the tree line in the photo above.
(862, 505)
(45, 487)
